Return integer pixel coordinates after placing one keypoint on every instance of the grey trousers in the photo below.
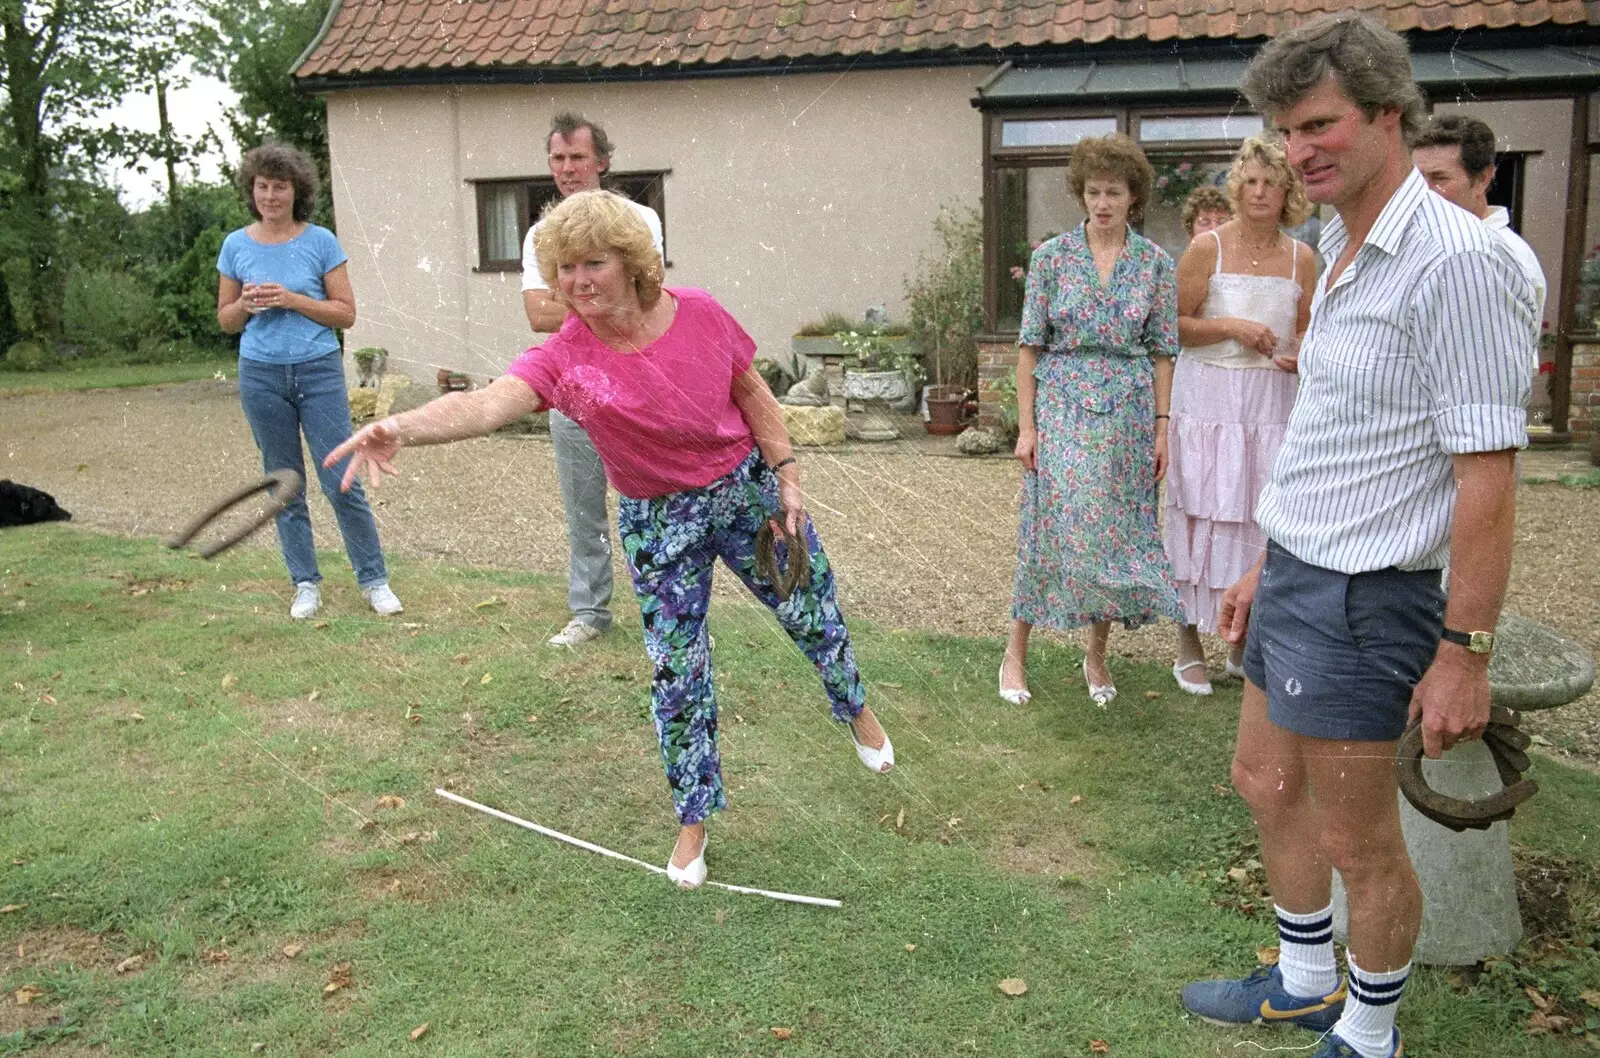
(583, 494)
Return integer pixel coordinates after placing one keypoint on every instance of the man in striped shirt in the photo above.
(1397, 459)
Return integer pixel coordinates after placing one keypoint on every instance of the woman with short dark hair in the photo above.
(283, 282)
(1094, 374)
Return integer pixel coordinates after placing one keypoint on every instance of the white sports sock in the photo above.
(1305, 953)
(1368, 1020)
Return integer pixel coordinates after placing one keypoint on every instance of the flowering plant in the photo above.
(876, 350)
(1175, 180)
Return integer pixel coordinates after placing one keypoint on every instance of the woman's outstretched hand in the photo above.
(373, 447)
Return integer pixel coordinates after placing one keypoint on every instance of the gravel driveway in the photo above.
(921, 540)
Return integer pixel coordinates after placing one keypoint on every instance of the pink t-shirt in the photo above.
(663, 419)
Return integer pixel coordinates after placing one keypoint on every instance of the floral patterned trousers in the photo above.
(672, 543)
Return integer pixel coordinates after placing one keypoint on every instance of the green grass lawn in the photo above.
(93, 375)
(190, 787)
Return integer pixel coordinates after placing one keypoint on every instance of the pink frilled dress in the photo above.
(1230, 406)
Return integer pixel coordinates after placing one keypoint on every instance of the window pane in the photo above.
(1055, 132)
(1200, 127)
(1035, 204)
(502, 240)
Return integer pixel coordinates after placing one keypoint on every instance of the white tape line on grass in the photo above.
(792, 898)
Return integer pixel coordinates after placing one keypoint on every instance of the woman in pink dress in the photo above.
(1244, 300)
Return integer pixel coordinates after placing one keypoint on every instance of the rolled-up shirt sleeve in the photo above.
(1474, 325)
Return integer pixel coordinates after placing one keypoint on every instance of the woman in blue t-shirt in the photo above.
(283, 282)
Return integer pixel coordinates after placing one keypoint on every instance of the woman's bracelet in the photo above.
(780, 464)
(1163, 416)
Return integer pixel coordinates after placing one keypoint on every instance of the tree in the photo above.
(60, 62)
(253, 47)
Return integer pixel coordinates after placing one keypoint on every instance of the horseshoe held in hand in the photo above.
(784, 581)
(1506, 743)
(281, 487)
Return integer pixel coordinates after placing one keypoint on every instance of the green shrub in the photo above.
(109, 312)
(944, 302)
(186, 292)
(29, 355)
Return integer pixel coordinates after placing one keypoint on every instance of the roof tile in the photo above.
(374, 36)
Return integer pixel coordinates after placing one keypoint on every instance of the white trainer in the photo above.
(307, 600)
(385, 603)
(575, 634)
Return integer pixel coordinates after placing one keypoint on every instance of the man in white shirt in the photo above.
(579, 154)
(1456, 156)
(1397, 461)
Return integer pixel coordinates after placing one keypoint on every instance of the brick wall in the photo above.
(996, 360)
(1583, 414)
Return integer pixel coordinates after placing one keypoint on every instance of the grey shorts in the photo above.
(1339, 654)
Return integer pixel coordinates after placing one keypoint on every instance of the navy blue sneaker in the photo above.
(1260, 999)
(1334, 1047)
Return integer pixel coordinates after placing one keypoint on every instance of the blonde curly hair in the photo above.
(1269, 155)
(588, 221)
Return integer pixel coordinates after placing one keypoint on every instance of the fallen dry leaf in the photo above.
(313, 696)
(1540, 1023)
(11, 907)
(340, 978)
(486, 678)
(1591, 997)
(410, 838)
(1152, 695)
(1267, 956)
(137, 718)
(27, 994)
(229, 682)
(461, 659)
(291, 950)
(418, 1032)
(493, 600)
(320, 624)
(389, 800)
(1076, 799)
(1221, 791)
(1538, 998)
(533, 718)
(1238, 875)
(911, 947)
(47, 699)
(214, 956)
(900, 819)
(1099, 1047)
(1013, 986)
(780, 1033)
(130, 964)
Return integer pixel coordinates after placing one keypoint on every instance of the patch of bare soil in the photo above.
(920, 540)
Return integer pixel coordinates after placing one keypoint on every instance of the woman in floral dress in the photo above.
(1094, 376)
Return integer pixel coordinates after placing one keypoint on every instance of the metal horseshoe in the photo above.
(281, 487)
(1507, 745)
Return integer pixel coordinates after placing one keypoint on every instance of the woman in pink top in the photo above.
(695, 444)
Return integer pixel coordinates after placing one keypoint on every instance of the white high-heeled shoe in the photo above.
(1202, 688)
(1103, 694)
(1236, 670)
(878, 760)
(1014, 695)
(694, 875)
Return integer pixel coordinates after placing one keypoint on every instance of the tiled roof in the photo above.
(398, 37)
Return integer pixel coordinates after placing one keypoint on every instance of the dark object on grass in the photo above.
(25, 505)
(281, 487)
(1507, 745)
(784, 581)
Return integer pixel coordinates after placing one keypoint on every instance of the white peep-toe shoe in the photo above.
(1103, 694)
(1014, 695)
(877, 761)
(694, 875)
(1202, 687)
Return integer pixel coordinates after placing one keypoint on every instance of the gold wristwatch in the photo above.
(1477, 642)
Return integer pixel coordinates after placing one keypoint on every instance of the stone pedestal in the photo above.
(1469, 895)
(813, 425)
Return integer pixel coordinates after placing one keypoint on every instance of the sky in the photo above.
(191, 109)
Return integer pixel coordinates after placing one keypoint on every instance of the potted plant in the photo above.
(879, 365)
(944, 306)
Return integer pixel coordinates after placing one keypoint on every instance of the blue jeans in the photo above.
(280, 402)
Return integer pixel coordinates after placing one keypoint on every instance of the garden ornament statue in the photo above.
(811, 391)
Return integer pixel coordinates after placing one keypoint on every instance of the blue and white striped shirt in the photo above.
(1404, 365)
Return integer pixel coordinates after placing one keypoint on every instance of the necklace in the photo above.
(1255, 262)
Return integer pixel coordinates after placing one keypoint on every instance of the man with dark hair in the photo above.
(1397, 460)
(579, 154)
(1456, 156)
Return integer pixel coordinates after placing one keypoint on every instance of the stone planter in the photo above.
(876, 392)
